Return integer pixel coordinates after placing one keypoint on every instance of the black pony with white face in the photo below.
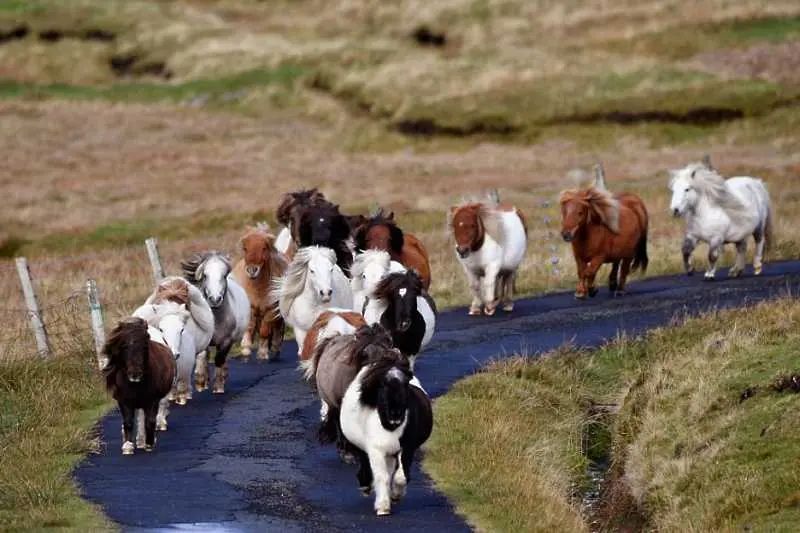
(386, 442)
(402, 306)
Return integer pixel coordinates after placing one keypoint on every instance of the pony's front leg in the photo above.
(276, 335)
(689, 244)
(201, 371)
(613, 278)
(181, 391)
(150, 426)
(738, 265)
(249, 334)
(758, 258)
(590, 272)
(714, 251)
(161, 416)
(625, 268)
(140, 433)
(221, 362)
(580, 266)
(489, 285)
(127, 429)
(399, 480)
(382, 470)
(475, 289)
(508, 291)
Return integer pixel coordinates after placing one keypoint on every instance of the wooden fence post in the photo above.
(39, 331)
(98, 331)
(155, 260)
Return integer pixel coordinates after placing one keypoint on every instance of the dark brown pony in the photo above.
(324, 225)
(254, 272)
(139, 375)
(292, 201)
(382, 233)
(604, 229)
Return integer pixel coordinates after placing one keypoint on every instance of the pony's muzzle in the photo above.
(253, 271)
(134, 378)
(326, 295)
(214, 301)
(676, 212)
(567, 235)
(463, 251)
(404, 325)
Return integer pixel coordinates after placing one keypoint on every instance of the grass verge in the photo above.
(46, 411)
(513, 445)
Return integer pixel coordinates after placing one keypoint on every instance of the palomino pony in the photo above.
(254, 272)
(171, 319)
(719, 211)
(604, 229)
(382, 233)
(387, 416)
(139, 375)
(400, 304)
(368, 269)
(287, 211)
(491, 240)
(313, 282)
(210, 272)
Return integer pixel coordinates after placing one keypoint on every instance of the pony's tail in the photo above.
(640, 259)
(769, 234)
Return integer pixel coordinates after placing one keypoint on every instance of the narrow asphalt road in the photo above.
(248, 461)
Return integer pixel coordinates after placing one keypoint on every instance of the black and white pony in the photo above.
(401, 305)
(386, 415)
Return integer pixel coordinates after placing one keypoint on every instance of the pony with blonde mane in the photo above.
(604, 228)
(261, 263)
(313, 282)
(491, 240)
(719, 211)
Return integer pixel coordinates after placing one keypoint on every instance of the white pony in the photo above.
(313, 282)
(367, 270)
(211, 273)
(171, 320)
(719, 211)
(491, 240)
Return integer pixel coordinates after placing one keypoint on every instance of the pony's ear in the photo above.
(391, 216)
(453, 209)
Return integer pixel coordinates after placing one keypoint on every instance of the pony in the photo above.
(322, 224)
(381, 232)
(211, 272)
(491, 240)
(604, 229)
(313, 282)
(368, 269)
(719, 211)
(254, 272)
(327, 324)
(287, 211)
(385, 416)
(171, 320)
(333, 365)
(200, 324)
(139, 375)
(400, 305)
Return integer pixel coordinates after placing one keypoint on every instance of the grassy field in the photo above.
(186, 119)
(515, 445)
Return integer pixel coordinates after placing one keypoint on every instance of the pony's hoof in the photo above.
(148, 448)
(383, 511)
(218, 390)
(181, 401)
(127, 448)
(474, 311)
(490, 309)
(593, 292)
(757, 270)
(140, 445)
(161, 425)
(619, 293)
(365, 491)
(734, 273)
(708, 276)
(347, 458)
(580, 296)
(171, 396)
(273, 355)
(508, 307)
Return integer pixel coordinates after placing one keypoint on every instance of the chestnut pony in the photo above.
(381, 232)
(254, 272)
(604, 229)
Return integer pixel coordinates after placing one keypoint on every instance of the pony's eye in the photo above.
(687, 189)
(363, 276)
(331, 269)
(311, 271)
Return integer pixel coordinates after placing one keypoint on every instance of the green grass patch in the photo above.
(512, 444)
(47, 409)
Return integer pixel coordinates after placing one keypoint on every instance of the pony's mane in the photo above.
(360, 264)
(601, 204)
(488, 212)
(172, 289)
(378, 218)
(290, 200)
(153, 313)
(396, 280)
(190, 266)
(709, 183)
(377, 370)
(367, 344)
(130, 333)
(288, 287)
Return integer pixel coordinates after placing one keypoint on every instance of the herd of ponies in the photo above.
(354, 290)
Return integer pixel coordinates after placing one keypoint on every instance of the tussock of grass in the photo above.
(687, 454)
(46, 411)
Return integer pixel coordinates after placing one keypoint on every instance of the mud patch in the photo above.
(134, 66)
(14, 34)
(778, 63)
(424, 36)
(92, 34)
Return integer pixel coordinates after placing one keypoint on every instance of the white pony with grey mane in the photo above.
(719, 211)
(172, 320)
(313, 282)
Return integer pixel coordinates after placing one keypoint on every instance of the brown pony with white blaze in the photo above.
(381, 232)
(254, 272)
(604, 229)
(139, 375)
(491, 241)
